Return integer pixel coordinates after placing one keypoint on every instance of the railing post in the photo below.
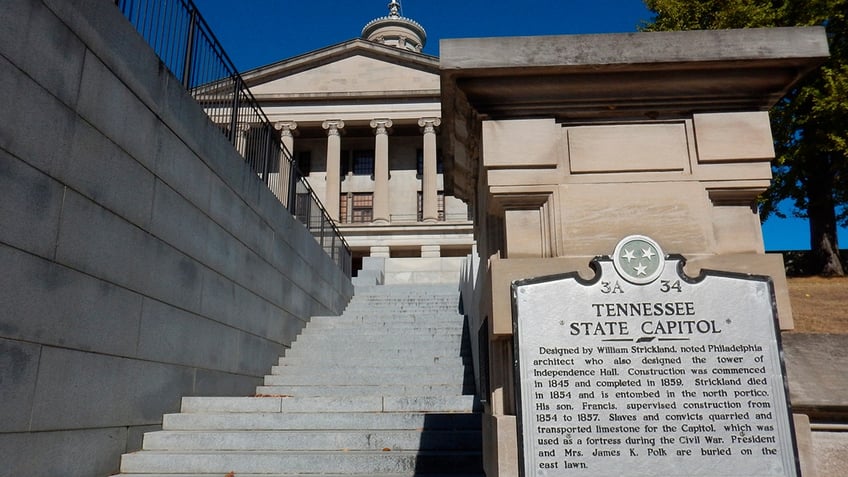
(234, 110)
(323, 228)
(272, 159)
(294, 176)
(189, 53)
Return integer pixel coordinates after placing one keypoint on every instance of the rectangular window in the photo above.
(440, 205)
(356, 208)
(362, 208)
(363, 162)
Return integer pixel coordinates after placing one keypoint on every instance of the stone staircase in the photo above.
(385, 390)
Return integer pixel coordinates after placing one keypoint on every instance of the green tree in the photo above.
(810, 124)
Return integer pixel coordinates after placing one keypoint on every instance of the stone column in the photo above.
(283, 185)
(334, 151)
(381, 169)
(428, 178)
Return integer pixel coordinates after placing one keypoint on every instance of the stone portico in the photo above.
(363, 120)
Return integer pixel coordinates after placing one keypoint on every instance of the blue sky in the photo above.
(259, 32)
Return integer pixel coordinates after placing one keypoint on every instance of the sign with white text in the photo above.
(643, 371)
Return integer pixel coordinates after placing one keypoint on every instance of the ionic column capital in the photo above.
(429, 124)
(333, 126)
(285, 127)
(381, 125)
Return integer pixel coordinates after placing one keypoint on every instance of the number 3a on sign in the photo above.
(609, 288)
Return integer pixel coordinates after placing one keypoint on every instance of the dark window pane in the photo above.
(304, 162)
(363, 162)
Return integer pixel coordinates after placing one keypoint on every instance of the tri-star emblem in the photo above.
(638, 259)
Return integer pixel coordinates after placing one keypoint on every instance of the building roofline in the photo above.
(322, 56)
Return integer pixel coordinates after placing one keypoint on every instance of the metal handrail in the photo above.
(187, 47)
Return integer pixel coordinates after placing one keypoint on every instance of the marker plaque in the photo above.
(643, 371)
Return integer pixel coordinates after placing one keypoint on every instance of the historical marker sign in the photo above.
(643, 371)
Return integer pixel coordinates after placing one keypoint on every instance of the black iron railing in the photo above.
(185, 44)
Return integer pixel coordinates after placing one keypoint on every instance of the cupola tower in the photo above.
(396, 30)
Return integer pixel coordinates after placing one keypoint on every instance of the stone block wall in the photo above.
(141, 260)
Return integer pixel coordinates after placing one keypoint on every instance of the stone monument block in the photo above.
(564, 144)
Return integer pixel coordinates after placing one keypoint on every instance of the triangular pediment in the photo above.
(352, 69)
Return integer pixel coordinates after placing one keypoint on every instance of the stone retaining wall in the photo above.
(141, 259)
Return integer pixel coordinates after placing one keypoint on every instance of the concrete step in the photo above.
(413, 304)
(419, 308)
(364, 353)
(421, 302)
(380, 338)
(310, 474)
(383, 322)
(338, 362)
(387, 350)
(372, 361)
(423, 313)
(409, 331)
(240, 462)
(388, 371)
(324, 390)
(377, 341)
(350, 440)
(363, 295)
(321, 421)
(409, 290)
(382, 329)
(376, 403)
(388, 320)
(339, 379)
(405, 336)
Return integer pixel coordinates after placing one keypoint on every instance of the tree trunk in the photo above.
(824, 246)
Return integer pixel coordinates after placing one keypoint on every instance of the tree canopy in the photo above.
(810, 125)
